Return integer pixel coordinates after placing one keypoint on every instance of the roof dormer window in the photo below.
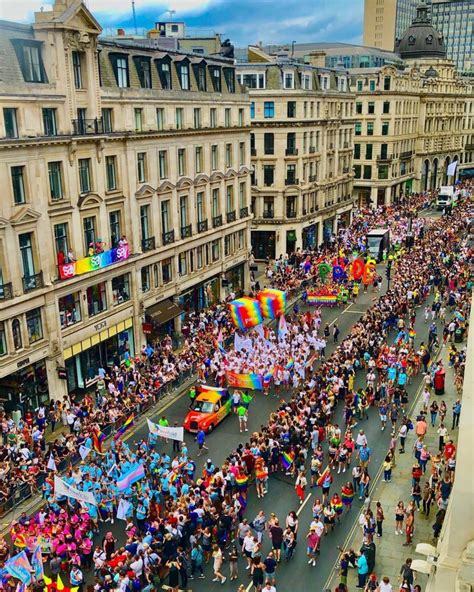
(29, 56)
(164, 72)
(143, 66)
(183, 73)
(120, 66)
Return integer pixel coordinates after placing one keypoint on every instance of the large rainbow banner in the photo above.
(69, 270)
(272, 302)
(250, 381)
(245, 312)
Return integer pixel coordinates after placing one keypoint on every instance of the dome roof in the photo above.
(421, 39)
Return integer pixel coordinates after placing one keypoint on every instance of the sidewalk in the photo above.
(391, 553)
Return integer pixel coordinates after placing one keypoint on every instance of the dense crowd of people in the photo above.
(178, 518)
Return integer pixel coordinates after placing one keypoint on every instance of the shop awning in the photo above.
(164, 311)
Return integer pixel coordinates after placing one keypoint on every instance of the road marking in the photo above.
(354, 311)
(303, 504)
(375, 480)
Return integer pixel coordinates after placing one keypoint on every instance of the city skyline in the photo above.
(314, 21)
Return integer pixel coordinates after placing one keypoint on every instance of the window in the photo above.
(306, 81)
(145, 222)
(198, 159)
(383, 171)
(370, 129)
(199, 259)
(107, 120)
(216, 79)
(160, 118)
(16, 332)
(358, 129)
(55, 180)
(268, 143)
(289, 80)
(141, 167)
(197, 118)
(228, 155)
(383, 150)
(227, 114)
(69, 309)
(18, 184)
(291, 109)
(164, 72)
(111, 172)
(357, 171)
(252, 109)
(143, 66)
(61, 241)
(359, 108)
(386, 83)
(179, 117)
(357, 151)
(115, 228)
(138, 113)
(241, 153)
(241, 118)
(200, 74)
(10, 121)
(229, 75)
(96, 299)
(372, 85)
(182, 264)
(26, 250)
(85, 175)
(165, 216)
(229, 199)
(291, 143)
(181, 161)
(386, 107)
(291, 173)
(121, 71)
(88, 225)
(268, 207)
(368, 151)
(371, 108)
(163, 163)
(166, 270)
(215, 203)
(268, 175)
(77, 68)
(227, 244)
(359, 85)
(215, 247)
(242, 195)
(385, 128)
(200, 206)
(214, 157)
(184, 76)
(33, 325)
(120, 289)
(183, 210)
(268, 109)
(213, 117)
(29, 56)
(367, 172)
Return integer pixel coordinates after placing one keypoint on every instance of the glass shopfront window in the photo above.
(96, 299)
(70, 309)
(235, 279)
(201, 296)
(26, 388)
(121, 289)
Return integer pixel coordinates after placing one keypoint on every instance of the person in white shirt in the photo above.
(385, 585)
(269, 587)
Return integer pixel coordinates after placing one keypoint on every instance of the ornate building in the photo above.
(126, 182)
(412, 122)
(301, 143)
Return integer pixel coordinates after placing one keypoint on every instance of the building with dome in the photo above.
(412, 121)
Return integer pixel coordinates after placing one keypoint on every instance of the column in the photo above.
(320, 237)
(57, 387)
(373, 197)
(388, 191)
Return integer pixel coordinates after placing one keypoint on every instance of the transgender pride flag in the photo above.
(134, 474)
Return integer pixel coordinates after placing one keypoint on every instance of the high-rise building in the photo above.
(385, 21)
(126, 197)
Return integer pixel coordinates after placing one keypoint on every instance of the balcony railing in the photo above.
(268, 214)
(202, 226)
(168, 237)
(6, 291)
(406, 154)
(148, 244)
(291, 151)
(32, 282)
(291, 181)
(83, 127)
(244, 212)
(469, 146)
(385, 158)
(217, 221)
(231, 216)
(312, 149)
(186, 231)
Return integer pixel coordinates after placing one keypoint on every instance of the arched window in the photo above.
(16, 331)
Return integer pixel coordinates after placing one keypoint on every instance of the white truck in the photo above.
(445, 197)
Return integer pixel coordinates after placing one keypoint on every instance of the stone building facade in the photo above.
(126, 176)
(301, 143)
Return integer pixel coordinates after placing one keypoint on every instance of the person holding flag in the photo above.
(324, 482)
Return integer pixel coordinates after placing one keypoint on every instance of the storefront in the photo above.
(200, 296)
(263, 244)
(25, 388)
(310, 237)
(328, 226)
(161, 319)
(291, 239)
(107, 347)
(234, 279)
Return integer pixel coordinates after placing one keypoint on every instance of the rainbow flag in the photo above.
(287, 459)
(204, 388)
(124, 427)
(412, 333)
(250, 381)
(322, 299)
(245, 312)
(322, 478)
(347, 496)
(267, 378)
(290, 364)
(273, 303)
(337, 506)
(241, 481)
(97, 439)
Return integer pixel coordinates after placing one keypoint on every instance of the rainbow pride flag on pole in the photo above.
(250, 381)
(245, 312)
(97, 440)
(273, 303)
(121, 431)
(287, 459)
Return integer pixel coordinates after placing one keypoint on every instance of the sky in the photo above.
(243, 21)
